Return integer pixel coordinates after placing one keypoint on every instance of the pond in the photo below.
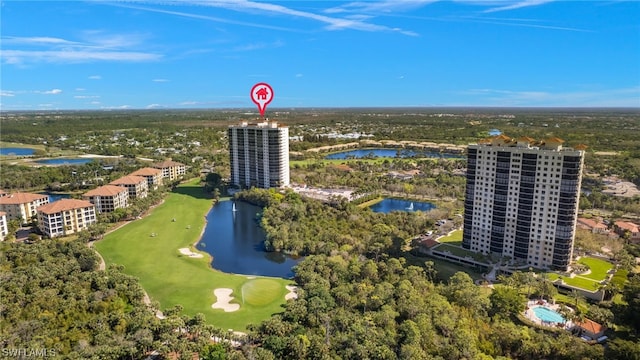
(55, 196)
(387, 153)
(14, 151)
(236, 242)
(64, 161)
(388, 205)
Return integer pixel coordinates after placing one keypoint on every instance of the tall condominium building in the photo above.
(259, 154)
(521, 199)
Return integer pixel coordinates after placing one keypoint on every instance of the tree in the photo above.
(623, 350)
(506, 302)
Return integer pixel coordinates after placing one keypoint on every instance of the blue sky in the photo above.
(208, 54)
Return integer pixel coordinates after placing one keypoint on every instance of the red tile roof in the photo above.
(21, 198)
(625, 225)
(166, 164)
(555, 140)
(2, 213)
(64, 205)
(592, 224)
(146, 172)
(106, 190)
(591, 326)
(128, 180)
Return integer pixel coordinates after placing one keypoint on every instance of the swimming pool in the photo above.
(548, 315)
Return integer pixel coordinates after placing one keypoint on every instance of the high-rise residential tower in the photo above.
(522, 198)
(259, 154)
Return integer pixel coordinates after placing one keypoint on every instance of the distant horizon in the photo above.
(152, 54)
(252, 111)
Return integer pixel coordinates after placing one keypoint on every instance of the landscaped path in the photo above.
(171, 278)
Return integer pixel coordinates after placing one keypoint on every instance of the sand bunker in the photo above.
(224, 296)
(187, 252)
(292, 292)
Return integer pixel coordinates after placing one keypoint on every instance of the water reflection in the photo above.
(236, 242)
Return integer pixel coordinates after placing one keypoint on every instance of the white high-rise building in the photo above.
(259, 154)
(522, 198)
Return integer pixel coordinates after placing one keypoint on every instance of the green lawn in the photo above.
(453, 238)
(171, 278)
(599, 268)
(458, 251)
(370, 202)
(577, 281)
(444, 269)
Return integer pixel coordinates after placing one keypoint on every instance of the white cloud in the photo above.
(86, 97)
(517, 5)
(331, 23)
(80, 89)
(74, 56)
(380, 6)
(95, 77)
(35, 40)
(623, 97)
(299, 75)
(98, 46)
(259, 46)
(160, 80)
(7, 93)
(50, 92)
(155, 106)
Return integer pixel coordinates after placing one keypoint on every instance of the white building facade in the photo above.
(521, 200)
(259, 154)
(65, 217)
(4, 230)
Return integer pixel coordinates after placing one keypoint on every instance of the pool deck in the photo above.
(530, 314)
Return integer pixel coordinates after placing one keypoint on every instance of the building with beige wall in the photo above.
(22, 205)
(522, 199)
(65, 217)
(107, 198)
(171, 170)
(137, 185)
(4, 229)
(153, 176)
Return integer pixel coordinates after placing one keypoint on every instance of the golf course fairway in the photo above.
(149, 250)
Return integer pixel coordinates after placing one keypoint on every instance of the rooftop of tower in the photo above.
(551, 143)
(264, 124)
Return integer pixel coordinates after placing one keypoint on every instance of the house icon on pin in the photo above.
(262, 93)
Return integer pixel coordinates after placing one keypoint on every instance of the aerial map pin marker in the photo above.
(261, 95)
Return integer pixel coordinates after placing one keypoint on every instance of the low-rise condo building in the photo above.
(65, 217)
(137, 185)
(171, 170)
(153, 176)
(107, 198)
(22, 205)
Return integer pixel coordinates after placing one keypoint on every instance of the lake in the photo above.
(388, 205)
(387, 153)
(64, 161)
(236, 242)
(55, 197)
(14, 151)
